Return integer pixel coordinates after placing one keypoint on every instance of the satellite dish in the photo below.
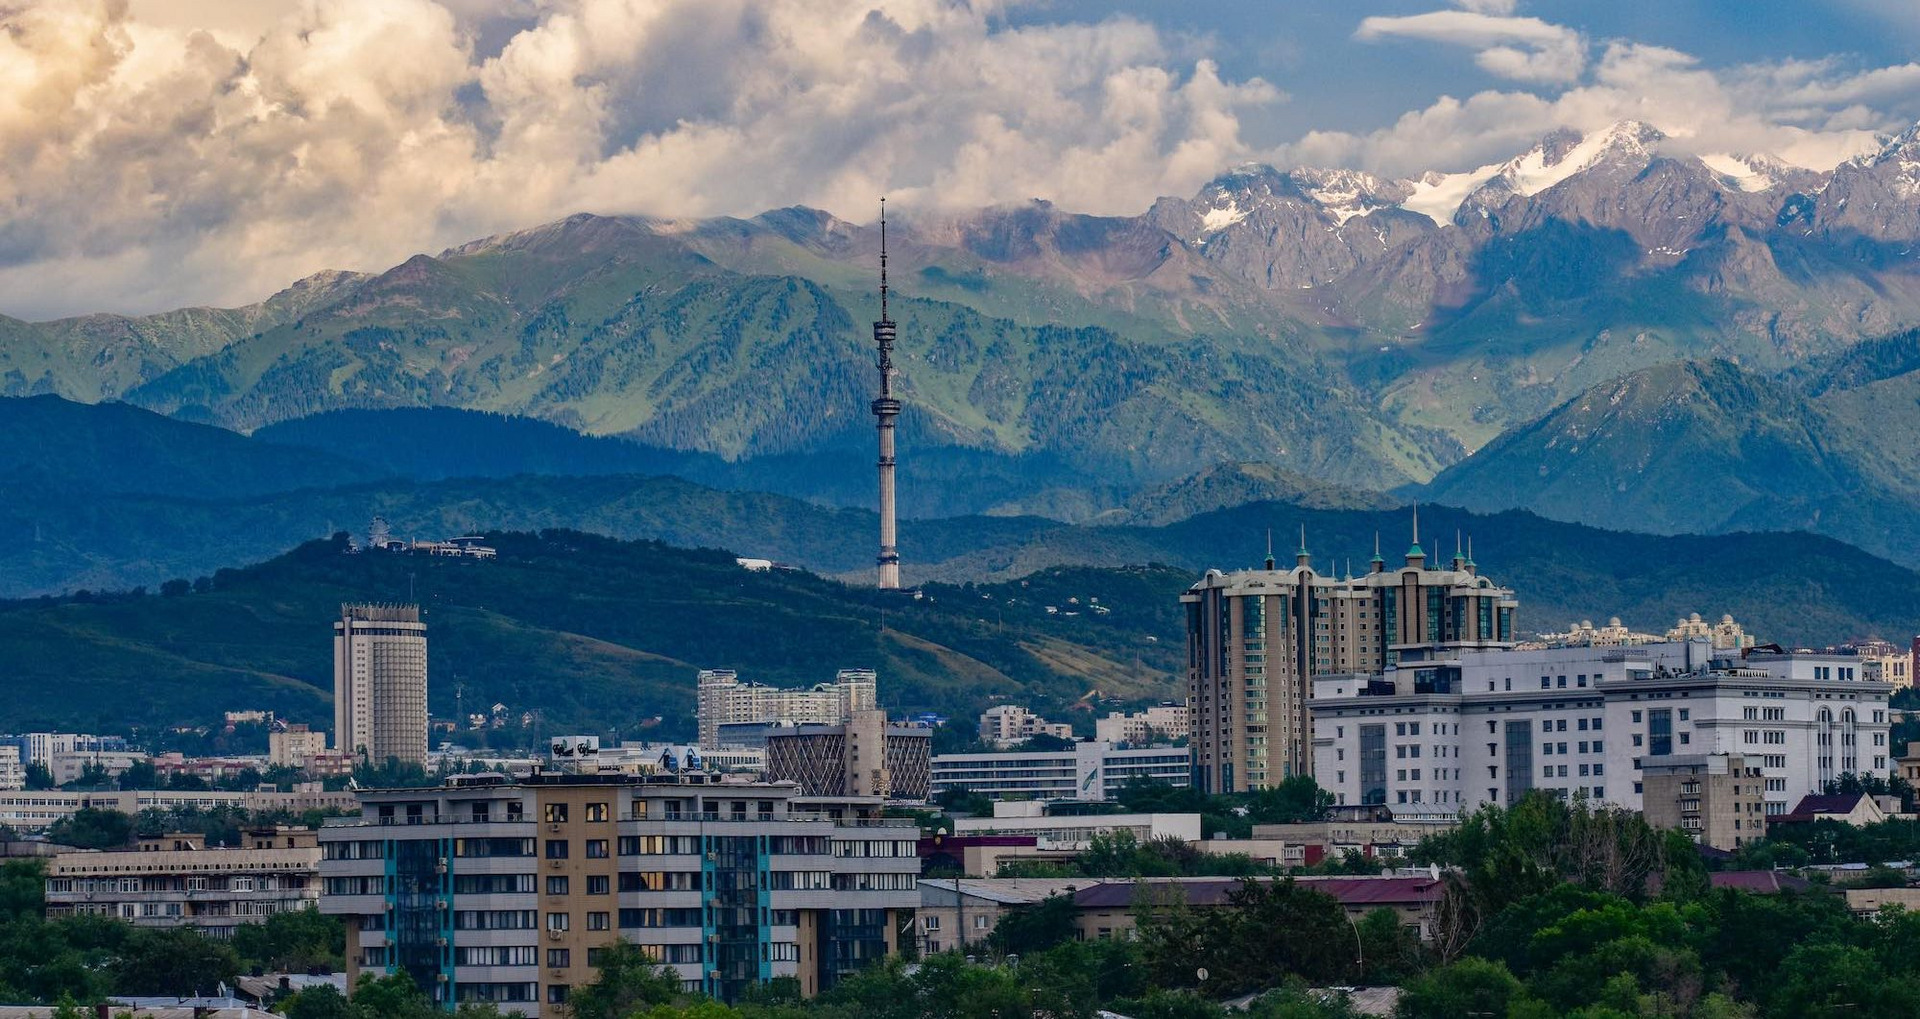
(1201, 973)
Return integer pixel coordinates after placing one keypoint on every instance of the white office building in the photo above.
(1475, 727)
(1086, 771)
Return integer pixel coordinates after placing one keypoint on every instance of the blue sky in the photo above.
(161, 153)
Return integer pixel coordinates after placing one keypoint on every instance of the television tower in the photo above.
(885, 409)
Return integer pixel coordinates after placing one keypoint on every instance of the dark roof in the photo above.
(1810, 807)
(1759, 882)
(1350, 891)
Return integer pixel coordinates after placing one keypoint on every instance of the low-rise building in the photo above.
(1719, 800)
(1076, 831)
(1161, 723)
(72, 766)
(961, 913)
(1857, 809)
(36, 809)
(1003, 725)
(724, 700)
(865, 756)
(1376, 832)
(1090, 770)
(176, 880)
(493, 890)
(294, 745)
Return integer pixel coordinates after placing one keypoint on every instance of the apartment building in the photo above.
(1257, 638)
(724, 700)
(292, 746)
(1456, 729)
(380, 683)
(1719, 800)
(1162, 722)
(1091, 770)
(1004, 725)
(1075, 831)
(13, 772)
(494, 890)
(176, 880)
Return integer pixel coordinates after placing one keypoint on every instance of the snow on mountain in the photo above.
(1748, 173)
(1219, 218)
(1437, 196)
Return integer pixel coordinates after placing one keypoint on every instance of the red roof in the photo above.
(1759, 882)
(1349, 891)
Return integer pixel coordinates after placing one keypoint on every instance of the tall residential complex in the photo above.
(1256, 639)
(380, 682)
(487, 890)
(1459, 728)
(724, 700)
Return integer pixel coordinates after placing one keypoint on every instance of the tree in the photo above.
(38, 777)
(93, 775)
(629, 979)
(23, 890)
(92, 828)
(318, 1002)
(140, 775)
(1468, 987)
(180, 962)
(1035, 927)
(394, 996)
(293, 941)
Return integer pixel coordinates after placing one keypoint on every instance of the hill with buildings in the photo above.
(592, 633)
(605, 635)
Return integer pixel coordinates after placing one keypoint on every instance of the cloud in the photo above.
(1500, 7)
(148, 163)
(159, 153)
(1523, 49)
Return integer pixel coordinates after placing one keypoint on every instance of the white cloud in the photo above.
(155, 153)
(1523, 49)
(146, 163)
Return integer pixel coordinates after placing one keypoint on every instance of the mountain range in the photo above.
(1346, 327)
(82, 522)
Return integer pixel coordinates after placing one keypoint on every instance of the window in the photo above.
(556, 813)
(596, 849)
(556, 849)
(556, 994)
(930, 924)
(559, 958)
(557, 921)
(980, 923)
(556, 886)
(597, 884)
(596, 812)
(598, 921)
(1636, 718)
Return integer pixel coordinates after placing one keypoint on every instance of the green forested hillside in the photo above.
(1710, 447)
(594, 633)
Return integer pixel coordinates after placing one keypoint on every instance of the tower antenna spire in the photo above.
(886, 407)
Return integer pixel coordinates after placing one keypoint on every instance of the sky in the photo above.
(168, 153)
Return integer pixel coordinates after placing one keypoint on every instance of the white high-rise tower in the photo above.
(380, 683)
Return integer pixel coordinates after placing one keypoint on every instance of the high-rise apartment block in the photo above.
(724, 700)
(1719, 800)
(488, 890)
(1006, 724)
(1454, 729)
(1256, 639)
(380, 682)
